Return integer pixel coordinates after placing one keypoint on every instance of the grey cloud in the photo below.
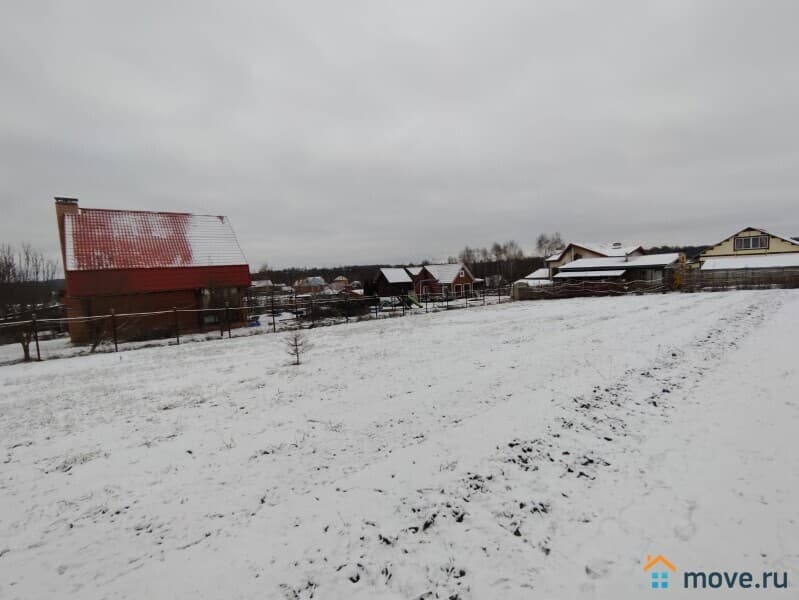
(384, 132)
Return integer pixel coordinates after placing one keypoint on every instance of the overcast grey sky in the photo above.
(361, 132)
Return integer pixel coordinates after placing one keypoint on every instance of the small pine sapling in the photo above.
(296, 346)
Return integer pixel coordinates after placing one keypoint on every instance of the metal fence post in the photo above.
(272, 302)
(227, 318)
(221, 322)
(177, 325)
(36, 337)
(114, 329)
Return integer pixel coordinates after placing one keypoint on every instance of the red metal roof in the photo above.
(101, 240)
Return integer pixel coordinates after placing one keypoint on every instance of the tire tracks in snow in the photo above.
(530, 488)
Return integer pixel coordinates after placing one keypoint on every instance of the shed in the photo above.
(393, 281)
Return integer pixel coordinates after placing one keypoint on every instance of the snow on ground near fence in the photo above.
(61, 347)
(534, 450)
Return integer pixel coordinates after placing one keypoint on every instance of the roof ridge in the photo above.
(147, 212)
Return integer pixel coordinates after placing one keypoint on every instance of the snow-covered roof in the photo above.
(785, 238)
(653, 260)
(396, 275)
(604, 249)
(593, 263)
(261, 283)
(542, 273)
(609, 249)
(99, 239)
(316, 280)
(533, 282)
(414, 271)
(575, 274)
(752, 261)
(446, 273)
(611, 262)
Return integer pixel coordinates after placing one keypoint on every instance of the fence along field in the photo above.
(30, 330)
(43, 335)
(684, 280)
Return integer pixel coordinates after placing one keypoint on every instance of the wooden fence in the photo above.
(695, 280)
(578, 289)
(110, 331)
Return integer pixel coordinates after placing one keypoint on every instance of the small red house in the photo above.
(455, 280)
(136, 261)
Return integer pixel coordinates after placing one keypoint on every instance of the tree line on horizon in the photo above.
(27, 277)
(499, 263)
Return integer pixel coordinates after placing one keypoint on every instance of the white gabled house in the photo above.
(752, 249)
(580, 250)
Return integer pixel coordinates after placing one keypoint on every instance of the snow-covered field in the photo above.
(530, 450)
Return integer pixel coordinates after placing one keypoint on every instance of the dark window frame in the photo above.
(740, 242)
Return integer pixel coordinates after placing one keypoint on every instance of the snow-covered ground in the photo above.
(530, 450)
(51, 348)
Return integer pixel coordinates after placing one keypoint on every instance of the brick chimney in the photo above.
(64, 206)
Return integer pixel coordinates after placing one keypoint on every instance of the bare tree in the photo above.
(297, 345)
(24, 276)
(263, 271)
(497, 252)
(512, 251)
(549, 244)
(468, 256)
(8, 264)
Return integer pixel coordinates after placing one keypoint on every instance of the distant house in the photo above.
(650, 268)
(393, 281)
(537, 278)
(262, 284)
(310, 285)
(339, 283)
(453, 280)
(578, 250)
(751, 250)
(132, 261)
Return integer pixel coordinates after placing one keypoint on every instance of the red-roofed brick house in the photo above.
(137, 261)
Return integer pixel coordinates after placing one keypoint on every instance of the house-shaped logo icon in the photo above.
(658, 568)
